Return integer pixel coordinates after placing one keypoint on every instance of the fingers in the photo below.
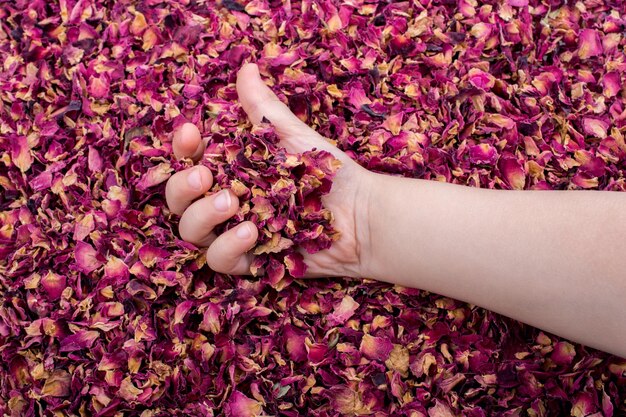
(185, 186)
(200, 218)
(187, 142)
(228, 253)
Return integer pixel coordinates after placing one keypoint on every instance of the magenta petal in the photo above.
(612, 83)
(563, 353)
(513, 172)
(238, 405)
(21, 153)
(86, 257)
(377, 348)
(154, 176)
(481, 79)
(295, 264)
(181, 311)
(94, 160)
(83, 339)
(595, 127)
(54, 284)
(483, 154)
(343, 311)
(294, 343)
(589, 44)
(150, 255)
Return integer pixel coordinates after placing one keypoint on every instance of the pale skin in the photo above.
(551, 259)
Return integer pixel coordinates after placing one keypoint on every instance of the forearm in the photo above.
(553, 260)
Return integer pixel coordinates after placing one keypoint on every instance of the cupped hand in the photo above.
(230, 252)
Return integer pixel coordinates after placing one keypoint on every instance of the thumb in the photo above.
(259, 101)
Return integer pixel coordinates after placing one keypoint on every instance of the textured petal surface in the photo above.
(104, 312)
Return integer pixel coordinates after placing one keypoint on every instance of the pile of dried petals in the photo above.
(104, 312)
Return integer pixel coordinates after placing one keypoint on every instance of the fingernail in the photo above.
(243, 232)
(194, 179)
(222, 200)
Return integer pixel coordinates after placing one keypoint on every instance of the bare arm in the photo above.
(551, 259)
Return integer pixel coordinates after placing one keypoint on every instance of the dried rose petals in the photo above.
(280, 193)
(104, 311)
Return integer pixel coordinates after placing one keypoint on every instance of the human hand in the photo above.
(348, 199)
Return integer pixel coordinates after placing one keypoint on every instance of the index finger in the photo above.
(187, 142)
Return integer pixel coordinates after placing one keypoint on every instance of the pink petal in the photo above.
(116, 269)
(191, 90)
(357, 97)
(54, 284)
(343, 311)
(513, 172)
(42, 181)
(149, 255)
(99, 87)
(468, 7)
(440, 410)
(563, 353)
(317, 352)
(584, 180)
(211, 318)
(377, 348)
(20, 153)
(483, 153)
(154, 176)
(295, 264)
(86, 257)
(294, 343)
(83, 227)
(239, 405)
(584, 404)
(181, 311)
(481, 79)
(57, 384)
(128, 390)
(94, 160)
(83, 339)
(612, 84)
(589, 44)
(595, 127)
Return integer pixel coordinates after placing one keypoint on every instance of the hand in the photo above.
(229, 253)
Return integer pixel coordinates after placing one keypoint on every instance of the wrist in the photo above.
(367, 221)
(391, 229)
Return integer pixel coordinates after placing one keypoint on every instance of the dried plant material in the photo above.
(104, 311)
